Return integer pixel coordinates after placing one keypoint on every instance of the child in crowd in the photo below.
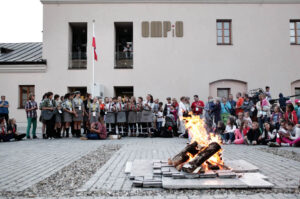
(254, 135)
(268, 134)
(239, 119)
(276, 117)
(290, 114)
(160, 117)
(248, 119)
(228, 136)
(219, 130)
(241, 133)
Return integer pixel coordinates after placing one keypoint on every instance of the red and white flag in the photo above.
(94, 46)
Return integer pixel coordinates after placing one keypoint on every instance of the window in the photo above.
(224, 32)
(83, 90)
(297, 92)
(295, 32)
(223, 92)
(123, 91)
(24, 91)
(124, 45)
(78, 44)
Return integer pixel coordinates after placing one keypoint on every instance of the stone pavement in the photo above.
(26, 163)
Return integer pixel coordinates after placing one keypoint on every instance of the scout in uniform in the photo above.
(121, 116)
(87, 105)
(48, 115)
(94, 112)
(58, 115)
(147, 114)
(78, 113)
(68, 112)
(132, 116)
(110, 118)
(139, 109)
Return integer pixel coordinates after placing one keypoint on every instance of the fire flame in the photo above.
(198, 133)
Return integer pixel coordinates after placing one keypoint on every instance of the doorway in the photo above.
(123, 91)
(83, 90)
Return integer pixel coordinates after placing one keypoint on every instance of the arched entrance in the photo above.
(224, 87)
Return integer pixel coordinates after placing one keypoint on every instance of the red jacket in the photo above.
(291, 117)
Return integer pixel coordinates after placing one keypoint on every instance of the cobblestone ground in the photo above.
(24, 164)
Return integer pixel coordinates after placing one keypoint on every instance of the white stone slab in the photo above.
(209, 183)
(241, 166)
(128, 167)
(141, 168)
(256, 180)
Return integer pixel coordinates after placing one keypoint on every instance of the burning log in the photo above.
(183, 156)
(202, 156)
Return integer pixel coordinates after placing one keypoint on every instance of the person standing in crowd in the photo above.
(147, 114)
(58, 115)
(225, 110)
(102, 107)
(282, 101)
(160, 117)
(197, 106)
(232, 103)
(132, 117)
(87, 105)
(110, 118)
(139, 113)
(78, 113)
(290, 114)
(208, 112)
(276, 117)
(94, 111)
(41, 116)
(187, 104)
(4, 105)
(181, 112)
(121, 116)
(248, 105)
(167, 107)
(263, 110)
(175, 103)
(268, 93)
(48, 115)
(239, 103)
(68, 112)
(30, 109)
(217, 111)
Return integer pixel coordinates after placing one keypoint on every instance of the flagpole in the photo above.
(93, 89)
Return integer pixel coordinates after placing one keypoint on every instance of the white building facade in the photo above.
(166, 48)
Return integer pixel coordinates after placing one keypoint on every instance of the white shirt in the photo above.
(230, 129)
(160, 116)
(182, 109)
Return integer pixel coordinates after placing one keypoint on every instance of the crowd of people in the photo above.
(245, 120)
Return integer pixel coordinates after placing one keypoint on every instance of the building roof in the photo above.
(21, 53)
(173, 1)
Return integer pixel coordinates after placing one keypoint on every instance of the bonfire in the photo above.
(203, 152)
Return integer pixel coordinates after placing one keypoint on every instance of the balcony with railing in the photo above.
(124, 60)
(78, 60)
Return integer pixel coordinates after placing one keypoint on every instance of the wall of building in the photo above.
(261, 53)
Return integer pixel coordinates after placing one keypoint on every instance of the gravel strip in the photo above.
(66, 181)
(283, 153)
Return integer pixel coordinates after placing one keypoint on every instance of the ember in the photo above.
(204, 151)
